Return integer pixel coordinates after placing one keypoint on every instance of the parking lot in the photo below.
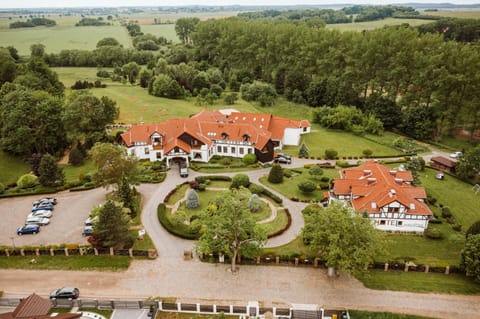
(65, 226)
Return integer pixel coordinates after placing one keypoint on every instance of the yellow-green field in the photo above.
(165, 30)
(467, 14)
(370, 25)
(61, 37)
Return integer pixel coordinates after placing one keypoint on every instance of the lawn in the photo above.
(420, 282)
(101, 263)
(72, 173)
(11, 168)
(280, 222)
(289, 186)
(68, 76)
(358, 314)
(184, 315)
(293, 248)
(370, 25)
(62, 37)
(455, 194)
(346, 144)
(144, 244)
(162, 30)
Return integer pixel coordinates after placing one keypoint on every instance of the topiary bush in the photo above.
(27, 181)
(192, 199)
(330, 153)
(240, 180)
(433, 233)
(446, 213)
(276, 174)
(367, 152)
(256, 189)
(254, 203)
(249, 159)
(307, 186)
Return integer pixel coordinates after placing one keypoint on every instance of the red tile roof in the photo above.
(374, 185)
(36, 307)
(207, 126)
(444, 161)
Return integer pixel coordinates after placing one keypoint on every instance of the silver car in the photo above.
(38, 220)
(41, 213)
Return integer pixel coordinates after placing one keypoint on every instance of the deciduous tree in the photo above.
(229, 227)
(344, 240)
(49, 173)
(470, 260)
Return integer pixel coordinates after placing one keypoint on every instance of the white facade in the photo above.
(394, 217)
(291, 136)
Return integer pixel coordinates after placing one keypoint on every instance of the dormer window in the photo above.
(245, 137)
(224, 136)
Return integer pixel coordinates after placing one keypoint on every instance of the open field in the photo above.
(165, 30)
(466, 14)
(62, 37)
(370, 25)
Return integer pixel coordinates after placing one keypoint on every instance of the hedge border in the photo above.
(162, 218)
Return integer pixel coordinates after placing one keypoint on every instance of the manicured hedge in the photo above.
(182, 231)
(202, 179)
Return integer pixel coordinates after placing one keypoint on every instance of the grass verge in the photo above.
(102, 263)
(420, 282)
(358, 314)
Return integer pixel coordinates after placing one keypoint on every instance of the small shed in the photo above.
(443, 163)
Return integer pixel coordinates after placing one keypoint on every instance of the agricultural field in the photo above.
(165, 30)
(62, 37)
(466, 14)
(370, 25)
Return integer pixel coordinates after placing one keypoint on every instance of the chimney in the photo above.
(371, 180)
(399, 180)
(393, 172)
(367, 172)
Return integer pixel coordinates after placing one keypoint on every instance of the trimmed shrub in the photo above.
(256, 189)
(249, 159)
(446, 213)
(315, 171)
(330, 153)
(192, 199)
(367, 152)
(254, 203)
(27, 181)
(226, 161)
(307, 186)
(276, 174)
(274, 197)
(457, 227)
(182, 231)
(2, 188)
(202, 179)
(433, 233)
(303, 150)
(325, 179)
(240, 180)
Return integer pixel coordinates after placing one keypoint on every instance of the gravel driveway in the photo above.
(66, 224)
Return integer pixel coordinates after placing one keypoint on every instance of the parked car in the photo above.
(183, 169)
(28, 229)
(42, 207)
(90, 220)
(37, 220)
(87, 230)
(456, 154)
(283, 159)
(65, 293)
(41, 213)
(49, 200)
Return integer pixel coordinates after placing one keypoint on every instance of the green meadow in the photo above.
(370, 25)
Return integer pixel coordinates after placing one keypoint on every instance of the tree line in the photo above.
(431, 84)
(33, 22)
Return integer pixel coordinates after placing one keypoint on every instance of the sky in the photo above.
(118, 3)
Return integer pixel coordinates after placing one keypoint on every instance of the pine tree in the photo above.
(111, 228)
(49, 173)
(276, 174)
(303, 150)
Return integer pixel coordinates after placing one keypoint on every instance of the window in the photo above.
(159, 155)
(249, 151)
(399, 223)
(219, 149)
(305, 129)
(233, 150)
(225, 149)
(393, 209)
(147, 151)
(241, 150)
(382, 222)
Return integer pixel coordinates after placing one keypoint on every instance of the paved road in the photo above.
(193, 281)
